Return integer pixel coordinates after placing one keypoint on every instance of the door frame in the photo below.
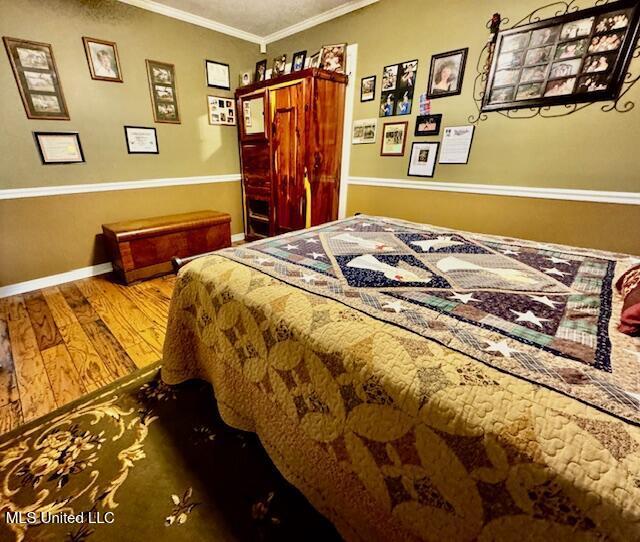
(352, 67)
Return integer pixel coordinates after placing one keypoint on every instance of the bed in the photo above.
(420, 383)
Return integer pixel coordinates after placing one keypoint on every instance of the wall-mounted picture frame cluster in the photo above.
(221, 111)
(103, 59)
(164, 95)
(141, 140)
(398, 84)
(582, 56)
(59, 147)
(34, 68)
(217, 74)
(368, 88)
(447, 73)
(364, 131)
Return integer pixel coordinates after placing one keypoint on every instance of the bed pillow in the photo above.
(629, 287)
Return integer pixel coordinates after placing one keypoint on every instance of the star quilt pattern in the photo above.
(545, 313)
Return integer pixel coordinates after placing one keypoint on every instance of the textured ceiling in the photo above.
(260, 17)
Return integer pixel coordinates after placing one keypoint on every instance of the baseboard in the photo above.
(54, 280)
(69, 276)
(566, 194)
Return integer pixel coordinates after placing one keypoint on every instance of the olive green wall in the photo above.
(605, 226)
(588, 150)
(100, 109)
(54, 234)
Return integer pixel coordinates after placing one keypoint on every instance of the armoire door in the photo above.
(287, 137)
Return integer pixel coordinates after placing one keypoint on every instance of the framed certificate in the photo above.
(141, 140)
(59, 147)
(217, 74)
(456, 144)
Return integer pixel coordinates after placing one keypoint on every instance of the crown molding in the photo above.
(334, 13)
(566, 194)
(187, 17)
(40, 191)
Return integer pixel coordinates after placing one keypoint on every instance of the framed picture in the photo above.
(217, 74)
(59, 147)
(333, 58)
(447, 73)
(456, 144)
(427, 125)
(297, 63)
(164, 95)
(141, 140)
(246, 78)
(279, 66)
(103, 60)
(314, 60)
(394, 137)
(221, 110)
(364, 131)
(261, 71)
(398, 84)
(582, 56)
(368, 88)
(422, 160)
(36, 74)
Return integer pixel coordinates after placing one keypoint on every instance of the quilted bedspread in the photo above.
(418, 383)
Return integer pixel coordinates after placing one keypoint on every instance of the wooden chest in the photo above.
(141, 249)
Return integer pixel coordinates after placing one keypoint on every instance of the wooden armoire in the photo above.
(290, 131)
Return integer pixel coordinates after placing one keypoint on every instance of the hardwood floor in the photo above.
(59, 343)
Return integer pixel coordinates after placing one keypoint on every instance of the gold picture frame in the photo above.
(103, 59)
(36, 74)
(164, 92)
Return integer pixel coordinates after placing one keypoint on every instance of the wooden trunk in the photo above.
(141, 249)
(291, 129)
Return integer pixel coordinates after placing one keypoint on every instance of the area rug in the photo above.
(143, 461)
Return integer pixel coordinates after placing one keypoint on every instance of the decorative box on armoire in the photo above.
(290, 133)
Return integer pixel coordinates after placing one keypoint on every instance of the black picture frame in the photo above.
(295, 57)
(373, 92)
(206, 74)
(435, 144)
(557, 43)
(434, 93)
(260, 75)
(43, 158)
(155, 135)
(437, 118)
(397, 88)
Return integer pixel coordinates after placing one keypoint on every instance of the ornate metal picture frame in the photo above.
(579, 56)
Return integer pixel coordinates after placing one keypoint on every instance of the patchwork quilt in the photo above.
(422, 383)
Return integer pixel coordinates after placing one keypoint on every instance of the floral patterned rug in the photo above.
(144, 461)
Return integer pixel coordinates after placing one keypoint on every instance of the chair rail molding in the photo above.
(40, 191)
(567, 194)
